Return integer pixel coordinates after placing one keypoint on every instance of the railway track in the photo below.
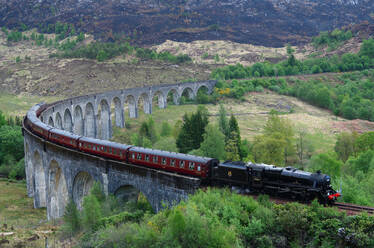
(350, 209)
(353, 209)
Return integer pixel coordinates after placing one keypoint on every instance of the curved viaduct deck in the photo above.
(56, 174)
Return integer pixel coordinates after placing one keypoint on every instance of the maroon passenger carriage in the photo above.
(171, 161)
(103, 148)
(64, 138)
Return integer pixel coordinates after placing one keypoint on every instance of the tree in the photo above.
(148, 130)
(2, 119)
(102, 55)
(327, 163)
(140, 140)
(17, 171)
(232, 147)
(363, 163)
(72, 218)
(234, 132)
(91, 212)
(11, 142)
(191, 134)
(80, 37)
(214, 143)
(365, 142)
(304, 147)
(97, 191)
(165, 129)
(245, 150)
(367, 48)
(223, 121)
(269, 149)
(177, 128)
(282, 128)
(345, 145)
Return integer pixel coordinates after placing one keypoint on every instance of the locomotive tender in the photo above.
(258, 178)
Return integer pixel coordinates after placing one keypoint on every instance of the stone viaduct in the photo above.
(56, 174)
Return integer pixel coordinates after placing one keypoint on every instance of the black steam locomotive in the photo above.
(286, 182)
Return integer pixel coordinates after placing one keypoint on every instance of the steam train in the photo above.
(244, 177)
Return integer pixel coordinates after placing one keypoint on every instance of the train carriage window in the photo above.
(191, 165)
(102, 148)
(94, 148)
(139, 157)
(181, 164)
(155, 159)
(146, 157)
(163, 160)
(172, 162)
(133, 155)
(198, 168)
(110, 149)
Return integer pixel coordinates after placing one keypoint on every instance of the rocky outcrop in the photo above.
(265, 22)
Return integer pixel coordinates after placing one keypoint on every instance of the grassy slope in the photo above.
(19, 105)
(20, 216)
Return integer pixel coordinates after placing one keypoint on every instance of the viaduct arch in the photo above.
(56, 174)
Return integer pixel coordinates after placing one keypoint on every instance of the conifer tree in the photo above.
(234, 134)
(97, 191)
(232, 148)
(91, 212)
(223, 122)
(191, 134)
(72, 218)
